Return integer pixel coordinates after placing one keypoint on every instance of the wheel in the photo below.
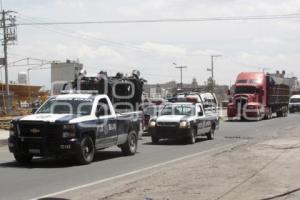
(23, 158)
(270, 115)
(154, 140)
(279, 114)
(86, 151)
(211, 134)
(192, 137)
(130, 147)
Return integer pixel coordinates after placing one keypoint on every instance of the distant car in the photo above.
(184, 121)
(294, 104)
(150, 112)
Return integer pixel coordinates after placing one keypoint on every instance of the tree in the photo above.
(210, 84)
(194, 83)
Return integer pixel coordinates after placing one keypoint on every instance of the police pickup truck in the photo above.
(76, 125)
(183, 121)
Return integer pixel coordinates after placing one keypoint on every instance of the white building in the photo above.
(22, 78)
(62, 72)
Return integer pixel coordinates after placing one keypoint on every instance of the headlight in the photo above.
(184, 124)
(69, 131)
(152, 124)
(12, 131)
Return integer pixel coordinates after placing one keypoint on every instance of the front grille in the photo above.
(166, 130)
(52, 132)
(32, 130)
(173, 124)
(240, 103)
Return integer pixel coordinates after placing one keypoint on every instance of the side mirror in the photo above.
(100, 112)
(200, 113)
(33, 110)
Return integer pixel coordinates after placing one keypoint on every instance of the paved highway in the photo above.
(46, 176)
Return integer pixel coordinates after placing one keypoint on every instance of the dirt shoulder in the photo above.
(250, 170)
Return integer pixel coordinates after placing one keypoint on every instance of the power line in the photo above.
(204, 19)
(89, 38)
(85, 37)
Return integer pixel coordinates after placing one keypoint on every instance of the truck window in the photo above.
(295, 100)
(85, 108)
(245, 90)
(67, 106)
(188, 110)
(104, 104)
(61, 108)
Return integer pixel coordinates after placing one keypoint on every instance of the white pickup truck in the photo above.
(183, 121)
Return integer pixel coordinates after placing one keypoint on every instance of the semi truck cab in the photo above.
(258, 95)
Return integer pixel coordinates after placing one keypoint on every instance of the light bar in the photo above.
(79, 92)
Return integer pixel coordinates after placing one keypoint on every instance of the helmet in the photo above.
(136, 73)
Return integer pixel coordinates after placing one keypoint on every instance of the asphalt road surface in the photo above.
(46, 176)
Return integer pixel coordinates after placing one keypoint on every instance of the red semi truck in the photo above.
(257, 95)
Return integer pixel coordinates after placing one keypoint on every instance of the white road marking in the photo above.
(137, 171)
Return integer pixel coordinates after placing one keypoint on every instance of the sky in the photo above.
(152, 48)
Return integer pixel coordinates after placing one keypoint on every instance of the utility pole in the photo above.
(180, 68)
(212, 71)
(8, 24)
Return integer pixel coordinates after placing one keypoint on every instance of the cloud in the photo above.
(164, 49)
(73, 4)
(273, 41)
(152, 47)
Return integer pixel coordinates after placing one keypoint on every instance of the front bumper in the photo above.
(169, 132)
(231, 112)
(249, 114)
(42, 147)
(294, 108)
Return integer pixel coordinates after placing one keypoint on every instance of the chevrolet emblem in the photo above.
(35, 130)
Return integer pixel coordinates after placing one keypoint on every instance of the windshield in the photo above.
(246, 90)
(67, 106)
(153, 110)
(188, 110)
(295, 100)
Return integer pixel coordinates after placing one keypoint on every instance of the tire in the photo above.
(86, 150)
(279, 114)
(192, 137)
(211, 134)
(130, 147)
(270, 115)
(23, 158)
(154, 140)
